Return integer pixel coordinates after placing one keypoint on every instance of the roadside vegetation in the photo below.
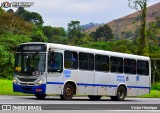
(7, 88)
(155, 91)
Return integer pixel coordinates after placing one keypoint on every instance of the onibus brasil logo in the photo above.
(16, 4)
(6, 4)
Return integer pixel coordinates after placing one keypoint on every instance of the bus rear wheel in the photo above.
(40, 96)
(68, 92)
(121, 94)
(94, 97)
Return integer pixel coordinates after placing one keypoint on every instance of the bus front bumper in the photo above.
(41, 89)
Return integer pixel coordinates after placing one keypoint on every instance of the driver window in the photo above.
(55, 62)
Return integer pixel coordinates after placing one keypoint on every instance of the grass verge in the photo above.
(152, 94)
(6, 88)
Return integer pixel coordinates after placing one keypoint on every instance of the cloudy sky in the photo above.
(58, 13)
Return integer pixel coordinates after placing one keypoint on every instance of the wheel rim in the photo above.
(68, 91)
(121, 94)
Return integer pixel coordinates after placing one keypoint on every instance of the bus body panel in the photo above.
(83, 79)
(144, 82)
(104, 83)
(143, 85)
(131, 85)
(54, 84)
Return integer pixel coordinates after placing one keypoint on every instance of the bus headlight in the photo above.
(39, 82)
(15, 81)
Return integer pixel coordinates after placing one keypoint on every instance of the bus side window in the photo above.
(101, 63)
(71, 59)
(86, 61)
(130, 66)
(116, 64)
(142, 67)
(55, 62)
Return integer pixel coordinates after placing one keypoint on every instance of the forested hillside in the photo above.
(128, 26)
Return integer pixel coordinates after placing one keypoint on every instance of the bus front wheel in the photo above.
(68, 92)
(40, 96)
(121, 94)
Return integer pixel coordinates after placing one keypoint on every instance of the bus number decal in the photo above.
(120, 78)
(137, 78)
(67, 73)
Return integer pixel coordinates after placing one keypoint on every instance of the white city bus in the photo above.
(47, 68)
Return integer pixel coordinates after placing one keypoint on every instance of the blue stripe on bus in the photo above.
(55, 83)
(138, 87)
(106, 85)
(82, 84)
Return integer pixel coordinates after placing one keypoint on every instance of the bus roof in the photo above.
(89, 50)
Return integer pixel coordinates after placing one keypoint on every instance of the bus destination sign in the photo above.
(26, 47)
(29, 47)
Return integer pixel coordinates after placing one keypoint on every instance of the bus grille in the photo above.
(27, 79)
(27, 84)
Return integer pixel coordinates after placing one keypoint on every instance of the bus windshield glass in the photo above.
(27, 64)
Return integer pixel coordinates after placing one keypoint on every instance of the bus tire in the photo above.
(40, 96)
(121, 94)
(68, 92)
(94, 97)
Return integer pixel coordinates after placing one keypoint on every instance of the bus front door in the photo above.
(54, 78)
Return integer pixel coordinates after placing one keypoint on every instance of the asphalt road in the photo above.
(79, 105)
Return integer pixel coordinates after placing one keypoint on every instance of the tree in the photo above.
(11, 41)
(10, 23)
(74, 29)
(99, 45)
(74, 33)
(141, 5)
(48, 31)
(59, 31)
(20, 11)
(1, 11)
(10, 11)
(13, 31)
(153, 32)
(57, 39)
(102, 33)
(54, 34)
(35, 18)
(124, 46)
(117, 30)
(8, 45)
(32, 17)
(94, 36)
(38, 35)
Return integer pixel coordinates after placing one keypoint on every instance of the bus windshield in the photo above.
(27, 64)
